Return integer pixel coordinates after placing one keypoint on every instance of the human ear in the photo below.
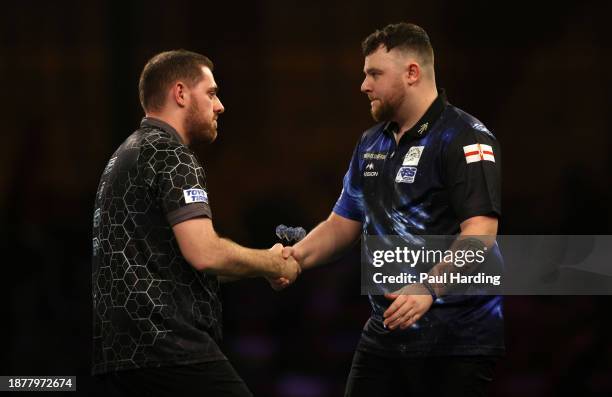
(179, 94)
(412, 73)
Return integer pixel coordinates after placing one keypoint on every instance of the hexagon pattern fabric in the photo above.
(150, 307)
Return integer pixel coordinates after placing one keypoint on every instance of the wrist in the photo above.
(430, 289)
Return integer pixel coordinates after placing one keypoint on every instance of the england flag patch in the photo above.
(478, 152)
(195, 196)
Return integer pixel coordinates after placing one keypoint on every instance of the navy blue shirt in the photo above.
(443, 171)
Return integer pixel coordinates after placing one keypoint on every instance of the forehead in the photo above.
(382, 58)
(209, 79)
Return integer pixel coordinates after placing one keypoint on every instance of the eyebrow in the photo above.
(372, 70)
(214, 89)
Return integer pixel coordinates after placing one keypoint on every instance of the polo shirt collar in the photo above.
(422, 127)
(162, 125)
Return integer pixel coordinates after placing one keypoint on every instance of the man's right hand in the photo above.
(289, 268)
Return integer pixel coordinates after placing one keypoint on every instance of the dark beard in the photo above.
(384, 112)
(198, 131)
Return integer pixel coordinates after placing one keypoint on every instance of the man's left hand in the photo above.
(407, 308)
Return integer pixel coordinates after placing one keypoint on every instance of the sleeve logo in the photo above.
(195, 196)
(478, 152)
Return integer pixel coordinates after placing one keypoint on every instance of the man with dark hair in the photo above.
(426, 168)
(156, 257)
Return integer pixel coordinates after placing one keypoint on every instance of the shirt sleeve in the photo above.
(179, 184)
(350, 202)
(473, 170)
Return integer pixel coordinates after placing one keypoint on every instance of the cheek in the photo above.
(394, 89)
(206, 105)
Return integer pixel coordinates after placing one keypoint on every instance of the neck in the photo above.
(412, 111)
(173, 120)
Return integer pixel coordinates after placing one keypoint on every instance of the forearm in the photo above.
(233, 261)
(207, 252)
(326, 242)
(476, 235)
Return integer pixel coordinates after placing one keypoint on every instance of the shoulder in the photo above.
(370, 136)
(160, 150)
(373, 132)
(462, 124)
(461, 129)
(154, 138)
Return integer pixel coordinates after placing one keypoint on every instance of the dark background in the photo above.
(537, 74)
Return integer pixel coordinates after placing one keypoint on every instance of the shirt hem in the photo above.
(429, 351)
(115, 366)
(347, 214)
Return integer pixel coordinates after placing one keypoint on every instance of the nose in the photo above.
(219, 107)
(365, 87)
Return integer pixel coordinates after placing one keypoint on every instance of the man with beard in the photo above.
(156, 256)
(426, 168)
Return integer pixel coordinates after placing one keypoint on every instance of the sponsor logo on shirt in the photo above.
(374, 156)
(413, 156)
(480, 127)
(423, 128)
(195, 196)
(406, 175)
(370, 167)
(95, 245)
(110, 165)
(96, 218)
(478, 152)
(101, 190)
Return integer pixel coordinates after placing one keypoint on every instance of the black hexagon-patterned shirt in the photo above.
(150, 307)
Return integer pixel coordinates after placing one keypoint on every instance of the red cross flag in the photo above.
(478, 152)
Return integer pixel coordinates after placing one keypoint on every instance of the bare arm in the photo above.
(483, 227)
(412, 301)
(206, 251)
(326, 241)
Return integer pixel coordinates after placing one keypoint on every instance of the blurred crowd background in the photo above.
(536, 73)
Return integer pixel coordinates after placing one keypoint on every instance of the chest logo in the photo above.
(413, 156)
(374, 156)
(423, 128)
(406, 175)
(370, 170)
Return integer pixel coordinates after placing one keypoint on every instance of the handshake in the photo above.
(289, 266)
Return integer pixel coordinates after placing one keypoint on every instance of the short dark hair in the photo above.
(403, 35)
(166, 68)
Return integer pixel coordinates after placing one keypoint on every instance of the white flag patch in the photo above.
(478, 152)
(413, 155)
(195, 196)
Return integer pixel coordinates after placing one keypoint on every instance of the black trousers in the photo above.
(216, 378)
(463, 376)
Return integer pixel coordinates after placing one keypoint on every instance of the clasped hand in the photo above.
(290, 268)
